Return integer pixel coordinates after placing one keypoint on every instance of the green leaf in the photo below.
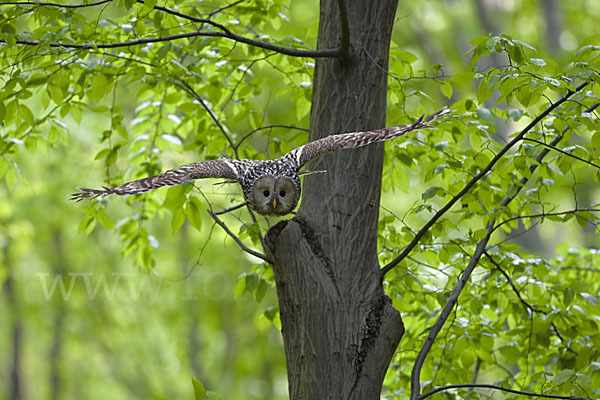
(240, 286)
(199, 390)
(484, 91)
(99, 87)
(192, 212)
(563, 376)
(102, 154)
(252, 281)
(537, 61)
(431, 192)
(172, 139)
(177, 219)
(515, 113)
(568, 295)
(104, 219)
(589, 297)
(485, 115)
(523, 44)
(175, 197)
(446, 89)
(261, 290)
(87, 224)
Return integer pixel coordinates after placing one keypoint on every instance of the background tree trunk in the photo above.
(12, 299)
(339, 328)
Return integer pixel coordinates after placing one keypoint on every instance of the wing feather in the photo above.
(301, 155)
(221, 168)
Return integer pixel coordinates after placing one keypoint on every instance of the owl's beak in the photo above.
(274, 203)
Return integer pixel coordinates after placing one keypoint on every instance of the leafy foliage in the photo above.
(132, 88)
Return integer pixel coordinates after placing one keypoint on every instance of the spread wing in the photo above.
(221, 168)
(317, 148)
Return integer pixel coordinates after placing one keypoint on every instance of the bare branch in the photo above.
(480, 248)
(476, 179)
(415, 377)
(136, 42)
(474, 379)
(247, 135)
(237, 206)
(224, 33)
(40, 4)
(237, 239)
(543, 215)
(186, 87)
(533, 309)
(496, 387)
(549, 146)
(512, 285)
(225, 7)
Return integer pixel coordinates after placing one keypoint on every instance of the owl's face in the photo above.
(274, 195)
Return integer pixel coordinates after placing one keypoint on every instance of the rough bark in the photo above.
(339, 328)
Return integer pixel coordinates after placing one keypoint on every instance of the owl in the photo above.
(271, 187)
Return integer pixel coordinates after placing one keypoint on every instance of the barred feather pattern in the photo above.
(221, 168)
(317, 148)
(247, 172)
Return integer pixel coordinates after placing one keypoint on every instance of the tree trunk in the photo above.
(339, 328)
(14, 386)
(60, 312)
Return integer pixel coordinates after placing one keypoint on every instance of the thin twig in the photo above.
(225, 7)
(512, 285)
(496, 387)
(415, 378)
(186, 87)
(525, 303)
(231, 208)
(543, 215)
(256, 43)
(407, 250)
(549, 146)
(224, 33)
(237, 239)
(474, 379)
(247, 135)
(41, 4)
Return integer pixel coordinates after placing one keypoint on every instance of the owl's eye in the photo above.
(266, 193)
(282, 193)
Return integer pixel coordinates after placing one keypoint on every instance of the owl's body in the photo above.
(271, 187)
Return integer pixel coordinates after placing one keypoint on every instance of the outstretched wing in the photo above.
(221, 168)
(307, 152)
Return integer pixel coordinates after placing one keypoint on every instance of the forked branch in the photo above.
(237, 239)
(408, 249)
(480, 248)
(223, 32)
(500, 388)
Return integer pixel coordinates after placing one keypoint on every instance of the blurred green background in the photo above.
(80, 319)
